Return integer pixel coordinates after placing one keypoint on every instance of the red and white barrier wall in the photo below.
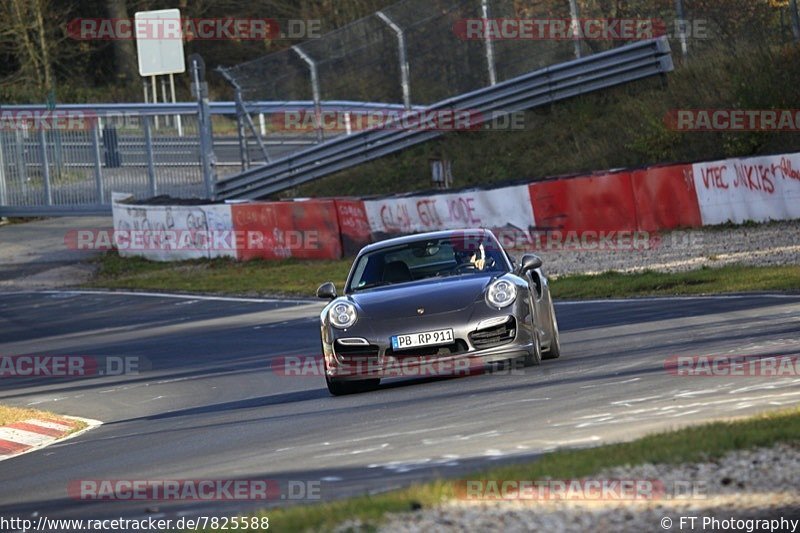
(652, 199)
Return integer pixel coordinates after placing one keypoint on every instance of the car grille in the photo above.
(458, 347)
(494, 336)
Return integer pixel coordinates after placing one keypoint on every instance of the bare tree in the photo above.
(125, 66)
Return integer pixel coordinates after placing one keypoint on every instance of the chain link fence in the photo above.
(418, 52)
(362, 60)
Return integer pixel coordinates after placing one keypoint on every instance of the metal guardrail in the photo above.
(541, 87)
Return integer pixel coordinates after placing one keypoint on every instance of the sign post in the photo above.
(159, 44)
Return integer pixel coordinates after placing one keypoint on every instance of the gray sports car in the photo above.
(436, 303)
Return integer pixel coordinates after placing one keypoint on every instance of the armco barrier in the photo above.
(652, 199)
(279, 230)
(757, 188)
(353, 225)
(496, 209)
(141, 230)
(594, 203)
(665, 198)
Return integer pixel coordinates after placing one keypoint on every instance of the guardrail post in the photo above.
(679, 8)
(312, 66)
(488, 43)
(48, 193)
(575, 15)
(148, 149)
(405, 82)
(98, 173)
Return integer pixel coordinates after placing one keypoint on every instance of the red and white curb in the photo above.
(18, 438)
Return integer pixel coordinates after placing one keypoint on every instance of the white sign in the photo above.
(159, 42)
(758, 189)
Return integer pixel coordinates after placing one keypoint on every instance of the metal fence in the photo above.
(69, 159)
(416, 51)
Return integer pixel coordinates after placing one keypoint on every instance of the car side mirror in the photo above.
(327, 290)
(529, 262)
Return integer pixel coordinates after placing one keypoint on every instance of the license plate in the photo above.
(426, 338)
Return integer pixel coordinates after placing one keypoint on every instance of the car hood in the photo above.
(436, 295)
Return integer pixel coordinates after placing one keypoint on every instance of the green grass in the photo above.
(221, 276)
(301, 278)
(727, 279)
(692, 444)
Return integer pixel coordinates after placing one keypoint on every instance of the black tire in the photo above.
(342, 388)
(554, 352)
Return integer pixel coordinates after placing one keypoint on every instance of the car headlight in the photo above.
(501, 293)
(342, 315)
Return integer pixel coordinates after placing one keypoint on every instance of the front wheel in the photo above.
(534, 357)
(554, 352)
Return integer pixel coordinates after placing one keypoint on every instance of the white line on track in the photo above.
(68, 292)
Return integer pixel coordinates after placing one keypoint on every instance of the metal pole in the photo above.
(679, 8)
(312, 66)
(148, 148)
(405, 81)
(155, 98)
(795, 20)
(177, 117)
(146, 91)
(19, 157)
(575, 15)
(48, 193)
(244, 152)
(488, 43)
(98, 173)
(3, 193)
(206, 133)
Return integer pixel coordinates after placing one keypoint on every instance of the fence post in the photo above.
(98, 173)
(19, 159)
(3, 193)
(148, 149)
(207, 158)
(795, 20)
(244, 152)
(575, 15)
(405, 82)
(312, 66)
(488, 44)
(48, 192)
(679, 8)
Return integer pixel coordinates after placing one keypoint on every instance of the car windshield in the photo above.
(425, 259)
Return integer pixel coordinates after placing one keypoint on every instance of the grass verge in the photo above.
(9, 415)
(692, 444)
(301, 278)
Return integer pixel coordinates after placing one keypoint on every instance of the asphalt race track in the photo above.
(207, 405)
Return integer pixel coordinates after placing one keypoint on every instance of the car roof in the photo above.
(433, 235)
